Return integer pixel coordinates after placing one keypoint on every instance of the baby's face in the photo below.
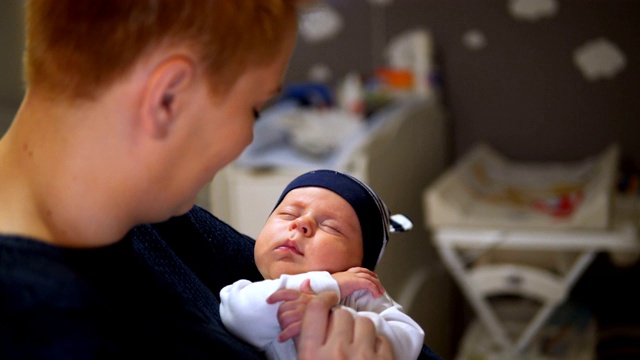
(312, 229)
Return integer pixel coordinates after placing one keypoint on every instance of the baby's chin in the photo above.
(277, 270)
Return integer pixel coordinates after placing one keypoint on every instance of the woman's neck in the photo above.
(49, 189)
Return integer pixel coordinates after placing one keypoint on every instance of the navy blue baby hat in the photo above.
(375, 219)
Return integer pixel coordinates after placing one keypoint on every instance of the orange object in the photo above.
(398, 79)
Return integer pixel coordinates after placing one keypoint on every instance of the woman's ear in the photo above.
(165, 95)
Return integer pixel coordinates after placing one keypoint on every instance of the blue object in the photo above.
(309, 95)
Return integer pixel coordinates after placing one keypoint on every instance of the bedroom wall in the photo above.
(521, 92)
(11, 45)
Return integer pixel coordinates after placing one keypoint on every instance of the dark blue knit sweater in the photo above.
(153, 294)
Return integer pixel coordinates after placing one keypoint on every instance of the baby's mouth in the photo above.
(290, 246)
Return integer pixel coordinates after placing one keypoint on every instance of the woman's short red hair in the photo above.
(77, 48)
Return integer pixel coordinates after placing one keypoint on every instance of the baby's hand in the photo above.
(358, 278)
(292, 309)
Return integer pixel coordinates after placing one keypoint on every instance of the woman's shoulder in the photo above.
(36, 276)
(213, 250)
(46, 303)
(30, 264)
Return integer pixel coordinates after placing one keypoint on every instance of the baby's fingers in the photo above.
(372, 284)
(361, 270)
(376, 289)
(283, 295)
(305, 287)
(290, 331)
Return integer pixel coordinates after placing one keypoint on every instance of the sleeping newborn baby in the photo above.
(327, 232)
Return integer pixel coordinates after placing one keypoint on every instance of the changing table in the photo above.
(496, 239)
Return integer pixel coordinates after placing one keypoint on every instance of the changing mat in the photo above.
(487, 189)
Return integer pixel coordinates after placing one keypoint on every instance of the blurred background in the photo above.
(537, 80)
(507, 77)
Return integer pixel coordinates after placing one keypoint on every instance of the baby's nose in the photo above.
(300, 225)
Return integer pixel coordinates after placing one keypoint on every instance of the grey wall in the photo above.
(521, 93)
(11, 45)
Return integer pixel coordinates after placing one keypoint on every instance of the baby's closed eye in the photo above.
(288, 213)
(331, 226)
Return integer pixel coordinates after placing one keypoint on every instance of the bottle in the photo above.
(351, 94)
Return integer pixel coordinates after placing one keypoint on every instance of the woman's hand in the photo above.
(328, 334)
(358, 278)
(322, 333)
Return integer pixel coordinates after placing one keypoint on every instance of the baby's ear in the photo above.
(166, 94)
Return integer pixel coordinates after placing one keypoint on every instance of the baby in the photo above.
(327, 232)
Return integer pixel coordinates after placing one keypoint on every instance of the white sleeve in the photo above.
(246, 314)
(404, 334)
